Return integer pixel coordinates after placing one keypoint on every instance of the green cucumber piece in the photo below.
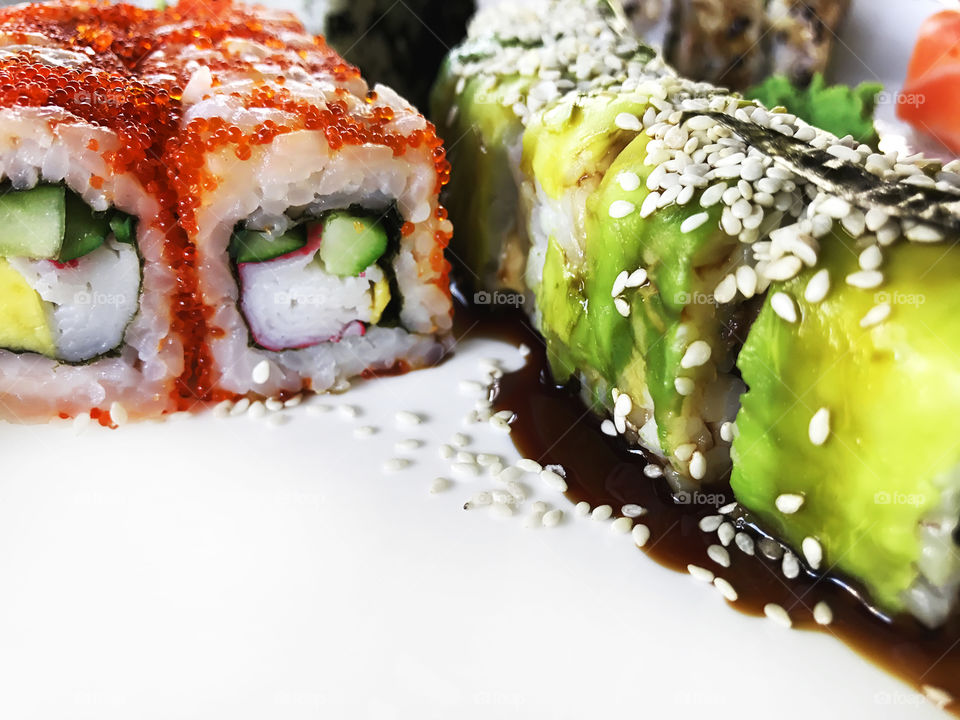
(123, 227)
(350, 243)
(32, 222)
(85, 229)
(256, 246)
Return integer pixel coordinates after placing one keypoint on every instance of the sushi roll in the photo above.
(311, 200)
(685, 251)
(86, 319)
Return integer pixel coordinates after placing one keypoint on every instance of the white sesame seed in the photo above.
(777, 614)
(501, 509)
(700, 573)
(408, 445)
(710, 523)
(446, 451)
(812, 551)
(790, 566)
(789, 503)
(466, 468)
(834, 207)
(273, 404)
(553, 480)
(726, 533)
(711, 196)
(819, 428)
(871, 258)
(641, 534)
(472, 387)
(601, 513)
(875, 315)
(582, 509)
(726, 289)
(649, 204)
(623, 405)
(784, 306)
(622, 525)
(865, 279)
(923, 233)
(608, 428)
(505, 415)
(622, 306)
(628, 181)
(627, 121)
(223, 408)
(726, 432)
(293, 401)
(939, 697)
(632, 510)
(817, 287)
(620, 283)
(118, 414)
(81, 422)
(439, 485)
(348, 411)
(784, 268)
(480, 499)
(620, 209)
(637, 278)
(523, 349)
(693, 222)
(552, 517)
(460, 440)
(529, 465)
(698, 466)
(822, 613)
(745, 543)
(539, 506)
(652, 471)
(746, 281)
(509, 474)
(396, 464)
(719, 555)
(261, 372)
(726, 589)
(405, 417)
(533, 520)
(684, 386)
(728, 508)
(730, 223)
(364, 431)
(240, 407)
(697, 354)
(465, 457)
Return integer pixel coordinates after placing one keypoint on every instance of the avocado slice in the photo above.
(32, 222)
(123, 226)
(882, 493)
(24, 320)
(85, 229)
(257, 246)
(350, 243)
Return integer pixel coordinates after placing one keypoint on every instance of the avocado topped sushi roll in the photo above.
(685, 249)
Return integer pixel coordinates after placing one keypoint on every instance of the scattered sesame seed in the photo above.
(223, 408)
(261, 372)
(698, 465)
(784, 306)
(871, 258)
(726, 289)
(817, 287)
(408, 445)
(834, 207)
(865, 279)
(822, 613)
(641, 534)
(465, 457)
(500, 424)
(622, 306)
(939, 697)
(439, 485)
(684, 386)
(396, 464)
(365, 431)
(460, 440)
(745, 543)
(693, 222)
(719, 555)
(118, 414)
(529, 465)
(875, 315)
(552, 518)
(819, 428)
(349, 411)
(501, 509)
(472, 387)
(486, 459)
(746, 281)
(726, 533)
(652, 471)
(812, 551)
(293, 401)
(273, 404)
(700, 573)
(553, 480)
(627, 121)
(81, 422)
(790, 566)
(446, 451)
(622, 525)
(533, 520)
(523, 349)
(582, 509)
(711, 196)
(619, 284)
(602, 512)
(650, 203)
(726, 589)
(620, 209)
(631, 510)
(405, 417)
(697, 354)
(608, 428)
(789, 503)
(637, 278)
(240, 407)
(628, 181)
(317, 409)
(466, 468)
(726, 431)
(480, 499)
(777, 614)
(710, 523)
(923, 233)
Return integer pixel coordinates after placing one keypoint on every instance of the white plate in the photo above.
(229, 569)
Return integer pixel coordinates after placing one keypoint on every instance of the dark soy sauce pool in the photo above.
(552, 425)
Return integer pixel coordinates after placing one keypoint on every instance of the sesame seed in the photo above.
(523, 349)
(697, 354)
(784, 306)
(746, 281)
(501, 509)
(273, 404)
(726, 431)
(817, 287)
(632, 510)
(698, 465)
(684, 386)
(834, 207)
(875, 315)
(602, 512)
(407, 445)
(620, 283)
(364, 431)
(472, 387)
(240, 407)
(81, 422)
(637, 278)
(812, 551)
(726, 589)
(480, 499)
(483, 459)
(118, 414)
(865, 279)
(539, 506)
(784, 268)
(710, 523)
(582, 509)
(553, 480)
(627, 121)
(509, 474)
(348, 411)
(652, 471)
(649, 204)
(790, 566)
(628, 181)
(789, 503)
(939, 697)
(608, 428)
(726, 533)
(728, 508)
(500, 424)
(620, 209)
(405, 417)
(711, 196)
(726, 289)
(819, 428)
(622, 306)
(533, 520)
(693, 222)
(923, 233)
(700, 573)
(505, 415)
(396, 464)
(261, 372)
(871, 258)
(465, 457)
(641, 534)
(466, 468)
(222, 409)
(552, 518)
(439, 485)
(745, 543)
(719, 555)
(622, 525)
(623, 405)
(446, 451)
(293, 401)
(777, 614)
(460, 440)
